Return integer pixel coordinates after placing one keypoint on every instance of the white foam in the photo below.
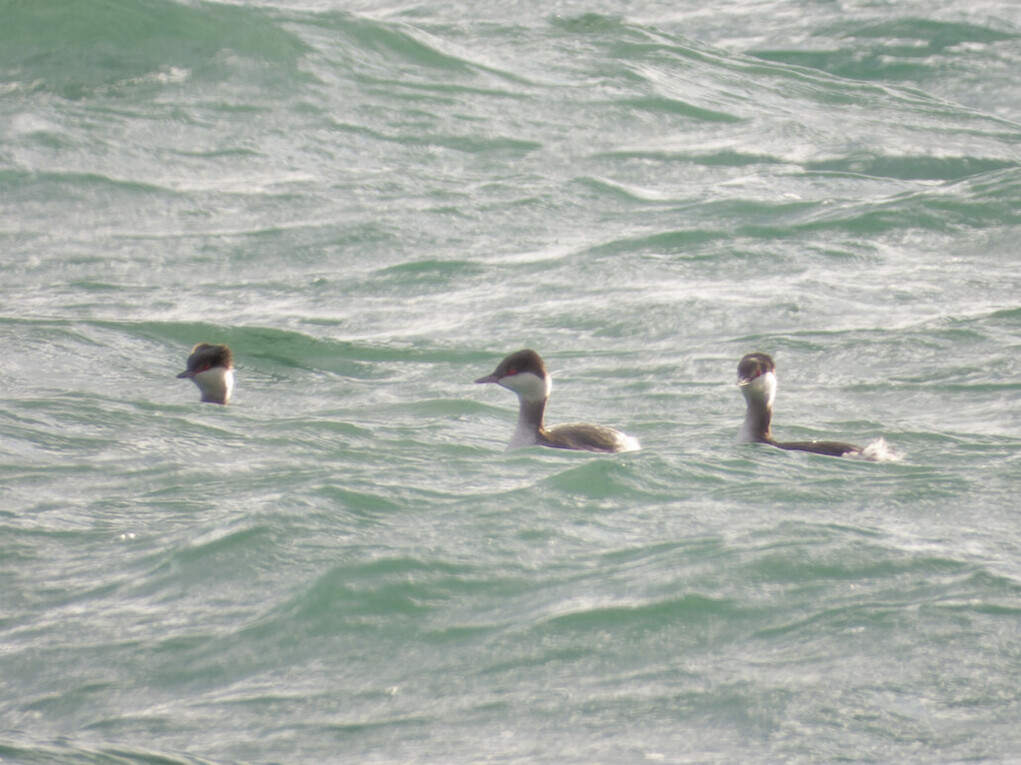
(877, 451)
(630, 444)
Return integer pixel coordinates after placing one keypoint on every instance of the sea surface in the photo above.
(372, 203)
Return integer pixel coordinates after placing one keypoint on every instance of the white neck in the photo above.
(750, 428)
(525, 433)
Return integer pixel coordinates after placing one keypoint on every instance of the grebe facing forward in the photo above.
(756, 376)
(525, 373)
(211, 367)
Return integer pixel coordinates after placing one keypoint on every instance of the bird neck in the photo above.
(757, 420)
(529, 429)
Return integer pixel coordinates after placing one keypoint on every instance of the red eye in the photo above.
(511, 371)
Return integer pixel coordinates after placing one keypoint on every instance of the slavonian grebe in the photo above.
(525, 373)
(756, 376)
(211, 367)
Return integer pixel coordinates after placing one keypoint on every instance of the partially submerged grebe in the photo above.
(211, 368)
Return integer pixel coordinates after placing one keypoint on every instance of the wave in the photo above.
(78, 50)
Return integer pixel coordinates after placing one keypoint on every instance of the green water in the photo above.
(372, 205)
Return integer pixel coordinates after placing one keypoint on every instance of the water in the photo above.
(374, 203)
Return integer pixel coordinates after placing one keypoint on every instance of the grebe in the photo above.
(525, 373)
(756, 376)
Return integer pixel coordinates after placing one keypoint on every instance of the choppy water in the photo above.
(372, 204)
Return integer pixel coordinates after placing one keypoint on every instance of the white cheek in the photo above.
(768, 387)
(528, 386)
(762, 388)
(209, 378)
(216, 382)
